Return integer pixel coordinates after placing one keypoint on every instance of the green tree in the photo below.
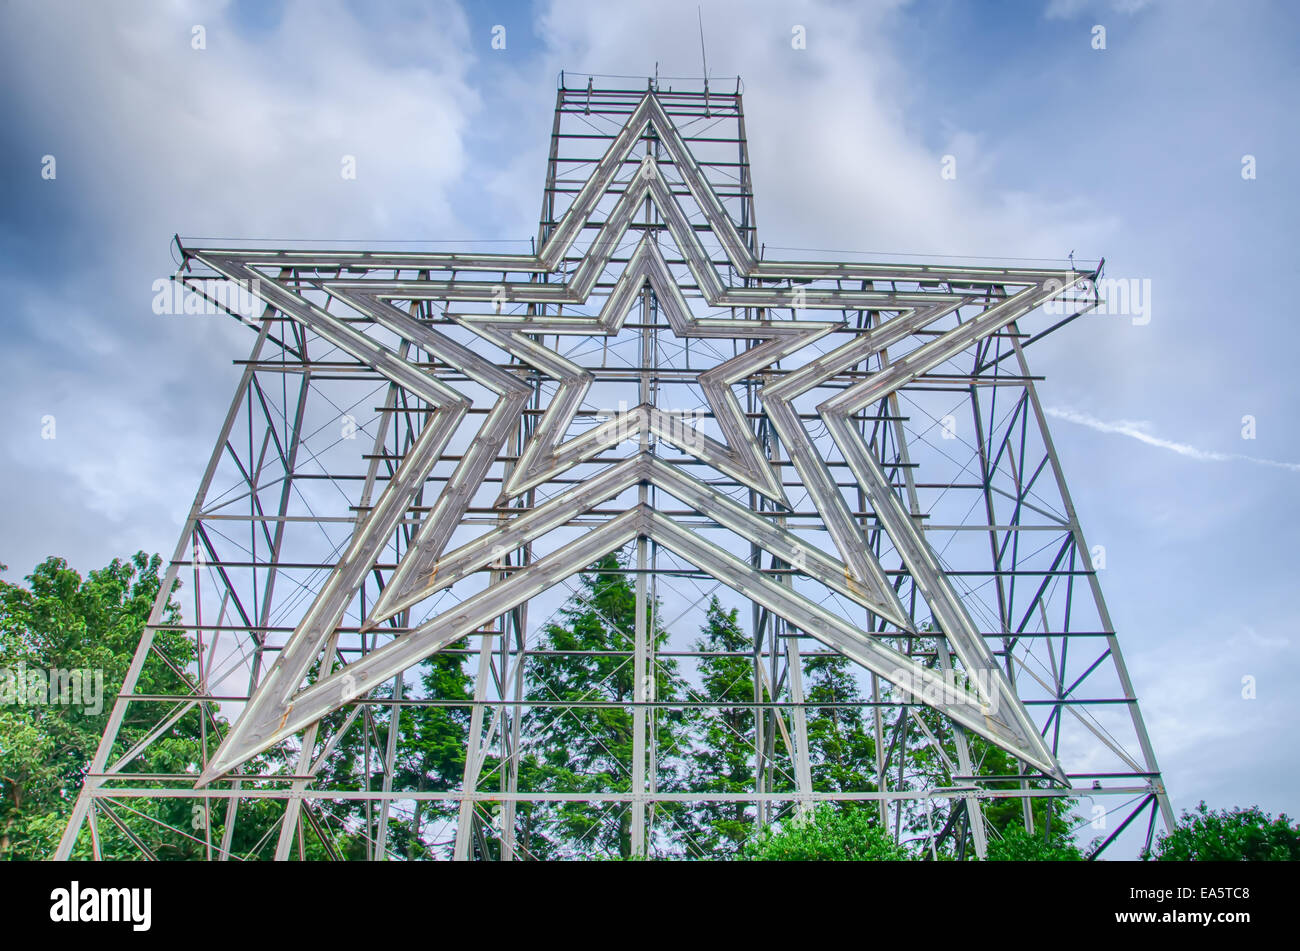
(62, 621)
(431, 752)
(722, 753)
(841, 749)
(1054, 819)
(1015, 844)
(827, 834)
(1228, 835)
(589, 749)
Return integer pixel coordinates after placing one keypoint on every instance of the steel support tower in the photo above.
(426, 447)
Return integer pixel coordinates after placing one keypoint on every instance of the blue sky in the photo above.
(1133, 152)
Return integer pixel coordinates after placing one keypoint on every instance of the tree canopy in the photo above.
(61, 621)
(1228, 835)
(830, 833)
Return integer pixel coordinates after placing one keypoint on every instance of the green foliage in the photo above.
(835, 833)
(1228, 835)
(431, 745)
(66, 622)
(828, 834)
(1018, 845)
(722, 754)
(588, 749)
(1054, 818)
(841, 749)
(62, 621)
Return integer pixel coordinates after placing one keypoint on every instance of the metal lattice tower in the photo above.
(425, 448)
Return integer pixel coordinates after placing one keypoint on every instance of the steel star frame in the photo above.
(787, 441)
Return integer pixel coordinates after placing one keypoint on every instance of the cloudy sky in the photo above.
(1172, 152)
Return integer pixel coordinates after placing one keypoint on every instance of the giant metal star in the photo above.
(283, 705)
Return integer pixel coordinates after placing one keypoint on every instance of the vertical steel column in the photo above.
(519, 683)
(640, 646)
(474, 750)
(803, 763)
(964, 762)
(794, 677)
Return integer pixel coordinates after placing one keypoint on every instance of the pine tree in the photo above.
(723, 755)
(431, 749)
(842, 750)
(589, 749)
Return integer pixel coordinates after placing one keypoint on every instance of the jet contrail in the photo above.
(1137, 430)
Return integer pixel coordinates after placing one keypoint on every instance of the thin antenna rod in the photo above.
(700, 15)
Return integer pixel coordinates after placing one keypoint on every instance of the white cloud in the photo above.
(1137, 429)
(246, 136)
(838, 158)
(241, 139)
